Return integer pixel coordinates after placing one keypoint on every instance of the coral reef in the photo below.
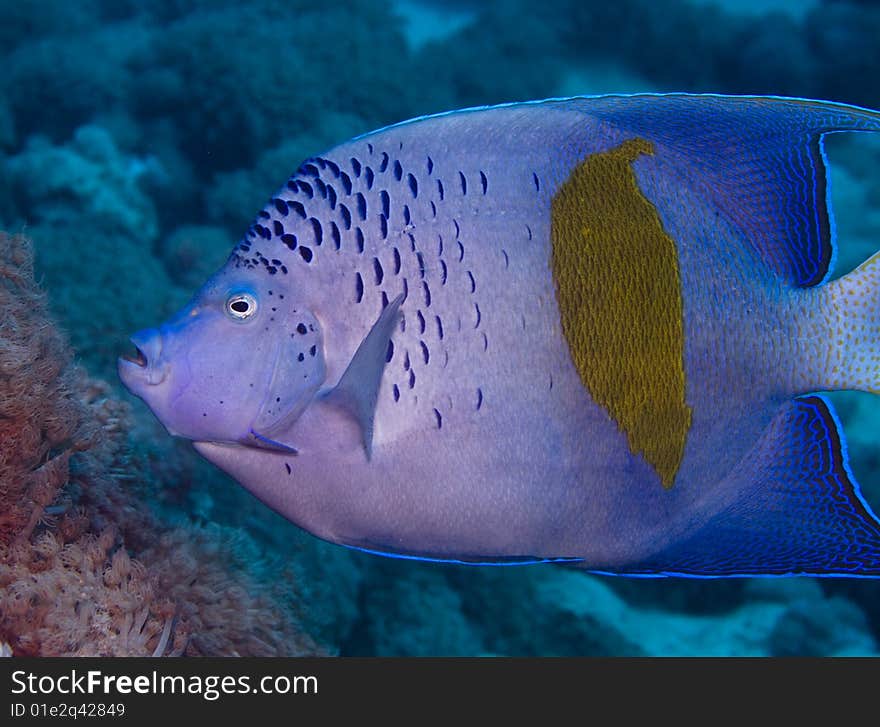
(7, 125)
(420, 609)
(510, 53)
(70, 520)
(235, 195)
(249, 97)
(192, 252)
(57, 83)
(103, 289)
(20, 23)
(94, 228)
(399, 616)
(87, 177)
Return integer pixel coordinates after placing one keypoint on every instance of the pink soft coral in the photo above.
(69, 526)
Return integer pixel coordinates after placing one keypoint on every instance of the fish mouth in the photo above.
(143, 363)
(138, 358)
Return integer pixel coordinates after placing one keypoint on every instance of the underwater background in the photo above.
(138, 138)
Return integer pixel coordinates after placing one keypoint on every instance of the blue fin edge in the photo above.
(642, 94)
(506, 561)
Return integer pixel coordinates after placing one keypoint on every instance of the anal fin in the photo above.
(799, 510)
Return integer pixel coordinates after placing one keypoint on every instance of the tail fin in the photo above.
(854, 327)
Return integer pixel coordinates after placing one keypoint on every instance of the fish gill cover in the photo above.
(136, 141)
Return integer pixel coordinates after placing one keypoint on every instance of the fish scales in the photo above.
(574, 330)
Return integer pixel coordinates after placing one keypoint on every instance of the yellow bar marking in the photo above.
(618, 287)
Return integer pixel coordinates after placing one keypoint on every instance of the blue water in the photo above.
(139, 137)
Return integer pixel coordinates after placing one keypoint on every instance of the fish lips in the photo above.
(144, 367)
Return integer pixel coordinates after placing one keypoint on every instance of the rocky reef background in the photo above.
(137, 140)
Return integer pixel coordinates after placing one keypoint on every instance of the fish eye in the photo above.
(241, 306)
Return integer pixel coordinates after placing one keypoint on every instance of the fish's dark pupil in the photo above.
(241, 306)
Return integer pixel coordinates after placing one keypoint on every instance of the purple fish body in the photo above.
(589, 330)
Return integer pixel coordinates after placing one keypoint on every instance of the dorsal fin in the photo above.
(760, 159)
(358, 389)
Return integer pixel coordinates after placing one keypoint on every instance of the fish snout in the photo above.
(144, 363)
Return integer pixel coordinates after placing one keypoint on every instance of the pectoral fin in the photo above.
(358, 389)
(255, 439)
